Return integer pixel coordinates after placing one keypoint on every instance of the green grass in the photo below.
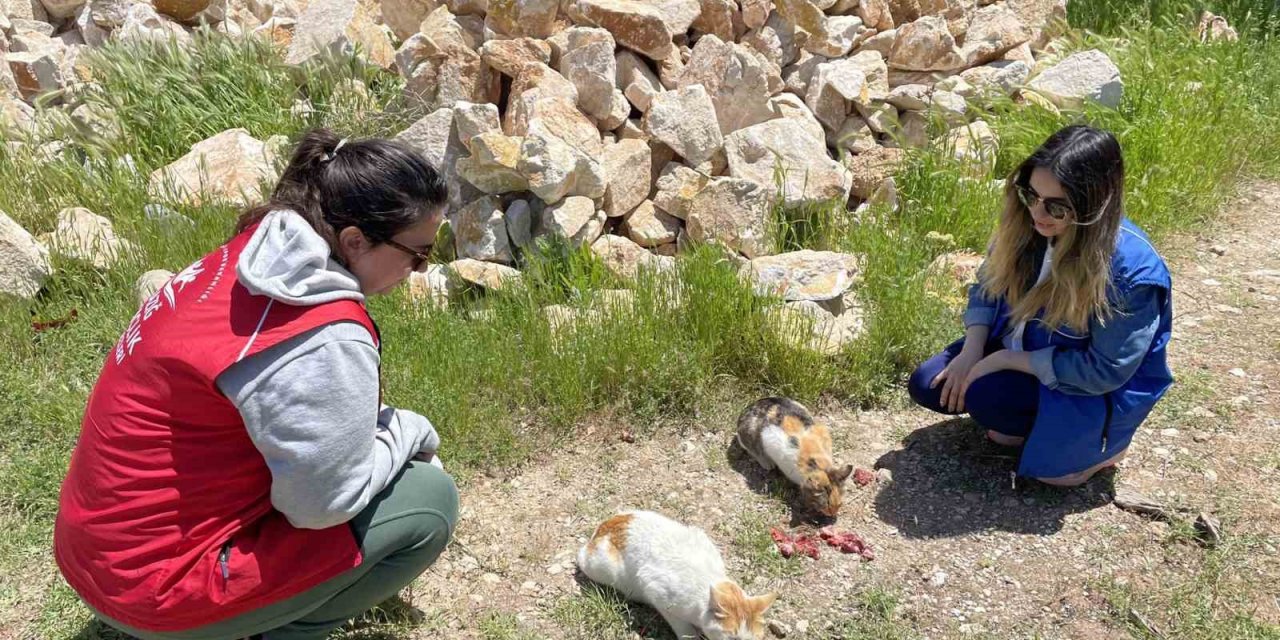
(1211, 603)
(874, 617)
(600, 613)
(504, 626)
(501, 387)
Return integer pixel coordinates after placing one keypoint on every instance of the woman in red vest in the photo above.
(237, 474)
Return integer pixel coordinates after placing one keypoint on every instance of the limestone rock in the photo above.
(685, 120)
(588, 62)
(676, 188)
(430, 286)
(486, 275)
(805, 275)
(635, 25)
(519, 216)
(85, 236)
(472, 119)
(509, 57)
(834, 89)
(649, 226)
(24, 262)
(881, 117)
(806, 17)
(1212, 28)
(759, 152)
(149, 283)
(567, 218)
(589, 231)
(755, 12)
(735, 80)
(994, 31)
(339, 26)
(143, 23)
(926, 45)
(910, 97)
(625, 258)
(716, 19)
(881, 42)
(229, 167)
(870, 169)
(532, 18)
(556, 169)
(961, 267)
(1088, 76)
(1002, 78)
(494, 164)
(679, 15)
(63, 9)
(636, 80)
(442, 66)
(435, 136)
(950, 106)
(732, 212)
(1045, 19)
(810, 326)
(627, 163)
(841, 35)
(480, 231)
(975, 145)
(405, 16)
(788, 105)
(854, 136)
(37, 72)
(181, 10)
(876, 14)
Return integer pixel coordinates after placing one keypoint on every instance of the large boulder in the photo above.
(834, 89)
(230, 167)
(804, 275)
(1088, 76)
(994, 31)
(1002, 78)
(926, 45)
(625, 258)
(486, 275)
(532, 18)
(676, 187)
(24, 263)
(869, 170)
(685, 120)
(649, 226)
(494, 164)
(405, 16)
(339, 26)
(627, 164)
(1045, 19)
(83, 235)
(638, 26)
(732, 212)
(636, 80)
(435, 136)
(480, 231)
(734, 78)
(588, 62)
(809, 175)
(509, 57)
(149, 283)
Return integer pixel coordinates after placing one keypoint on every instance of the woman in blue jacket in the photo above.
(1066, 330)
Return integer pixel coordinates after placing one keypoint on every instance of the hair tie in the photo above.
(332, 154)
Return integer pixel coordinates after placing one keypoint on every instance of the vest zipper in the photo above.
(223, 556)
(1106, 424)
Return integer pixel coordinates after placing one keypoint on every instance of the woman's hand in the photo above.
(998, 361)
(955, 376)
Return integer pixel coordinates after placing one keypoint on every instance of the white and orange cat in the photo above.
(781, 433)
(677, 570)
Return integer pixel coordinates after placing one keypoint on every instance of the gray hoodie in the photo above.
(311, 403)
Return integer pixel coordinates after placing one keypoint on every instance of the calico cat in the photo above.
(781, 433)
(677, 570)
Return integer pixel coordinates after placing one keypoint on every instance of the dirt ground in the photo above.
(964, 552)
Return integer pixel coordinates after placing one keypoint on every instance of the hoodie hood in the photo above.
(288, 261)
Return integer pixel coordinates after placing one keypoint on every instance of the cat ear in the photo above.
(838, 476)
(764, 602)
(723, 597)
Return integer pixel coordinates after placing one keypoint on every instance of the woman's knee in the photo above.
(427, 511)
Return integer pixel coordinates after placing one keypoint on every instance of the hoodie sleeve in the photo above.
(311, 407)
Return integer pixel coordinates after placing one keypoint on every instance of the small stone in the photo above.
(805, 275)
(487, 275)
(24, 262)
(802, 627)
(975, 146)
(937, 579)
(1201, 436)
(1210, 475)
(1218, 250)
(1169, 433)
(480, 231)
(778, 629)
(1239, 373)
(430, 286)
(1161, 452)
(149, 283)
(519, 216)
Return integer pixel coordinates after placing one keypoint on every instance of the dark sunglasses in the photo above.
(419, 257)
(1057, 208)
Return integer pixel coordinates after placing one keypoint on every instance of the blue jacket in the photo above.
(1096, 388)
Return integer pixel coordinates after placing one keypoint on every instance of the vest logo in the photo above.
(168, 293)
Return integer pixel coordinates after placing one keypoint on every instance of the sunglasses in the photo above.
(1056, 208)
(419, 257)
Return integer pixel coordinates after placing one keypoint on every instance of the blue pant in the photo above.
(1004, 401)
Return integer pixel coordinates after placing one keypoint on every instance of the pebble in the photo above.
(1240, 401)
(1169, 433)
(1161, 452)
(1201, 436)
(1201, 412)
(1210, 475)
(885, 475)
(1210, 282)
(1218, 250)
(1226, 308)
(778, 629)
(1237, 372)
(802, 627)
(491, 578)
(938, 579)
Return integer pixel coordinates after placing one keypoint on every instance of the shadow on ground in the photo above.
(948, 480)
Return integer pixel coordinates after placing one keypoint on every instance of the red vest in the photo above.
(165, 520)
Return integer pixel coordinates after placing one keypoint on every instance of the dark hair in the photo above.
(1088, 164)
(378, 186)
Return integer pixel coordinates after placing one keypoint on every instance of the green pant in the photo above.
(400, 533)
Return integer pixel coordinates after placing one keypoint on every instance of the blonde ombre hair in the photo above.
(1088, 164)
